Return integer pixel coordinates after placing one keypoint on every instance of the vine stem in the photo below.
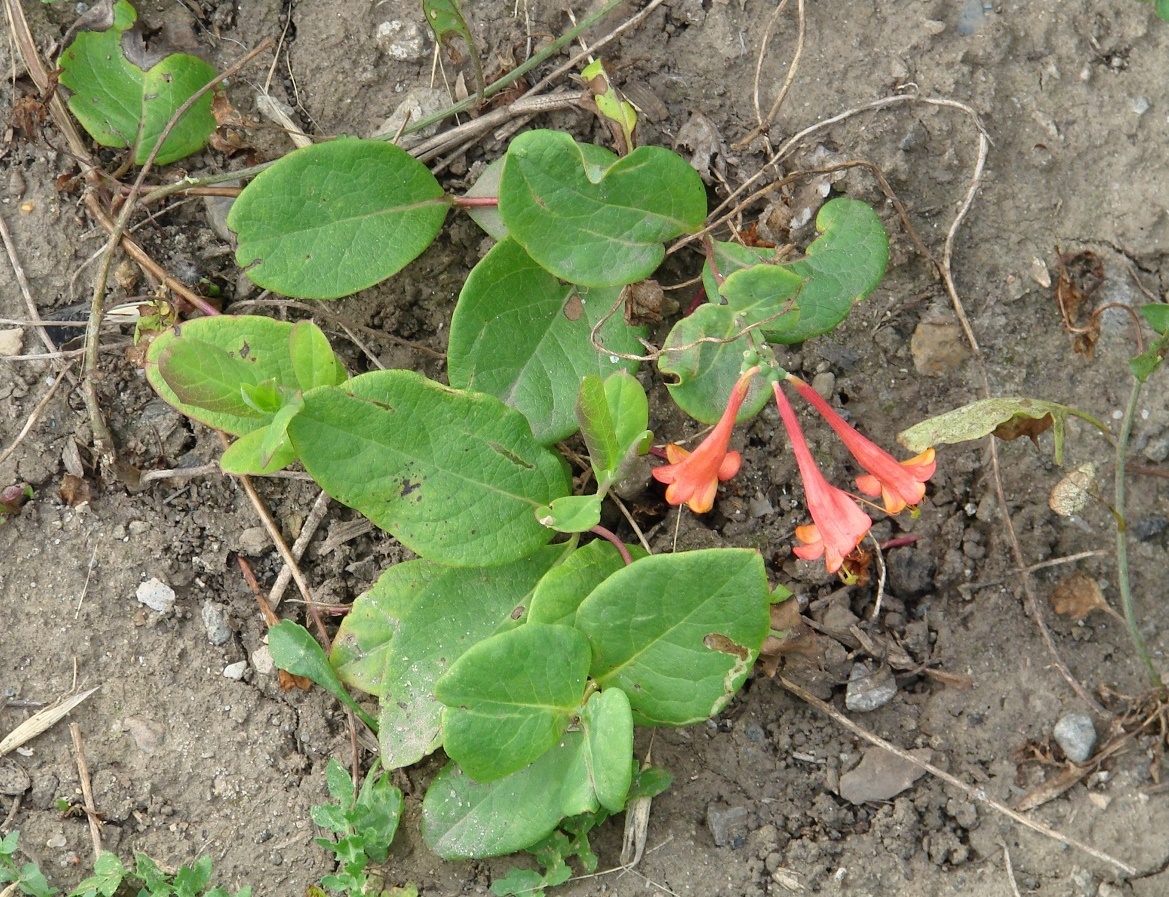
(1130, 616)
(611, 537)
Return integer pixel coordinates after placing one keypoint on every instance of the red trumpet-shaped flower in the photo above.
(838, 525)
(899, 483)
(692, 478)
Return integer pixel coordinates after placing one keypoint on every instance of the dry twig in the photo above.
(86, 789)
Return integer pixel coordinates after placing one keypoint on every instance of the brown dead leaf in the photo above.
(1021, 425)
(1076, 596)
(74, 490)
(230, 134)
(1052, 788)
(798, 643)
(1080, 276)
(287, 681)
(646, 303)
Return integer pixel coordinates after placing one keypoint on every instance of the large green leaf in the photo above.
(462, 818)
(334, 218)
(678, 632)
(521, 335)
(202, 366)
(455, 476)
(416, 621)
(596, 224)
(613, 416)
(509, 698)
(122, 105)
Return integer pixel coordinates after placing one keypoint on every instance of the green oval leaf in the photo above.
(412, 625)
(607, 722)
(524, 337)
(841, 267)
(295, 650)
(706, 372)
(565, 586)
(509, 698)
(463, 819)
(202, 366)
(613, 417)
(678, 632)
(328, 220)
(121, 105)
(571, 514)
(596, 224)
(455, 476)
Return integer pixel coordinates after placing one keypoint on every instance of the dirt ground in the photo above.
(185, 761)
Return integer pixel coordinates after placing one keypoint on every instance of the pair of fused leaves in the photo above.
(454, 475)
(124, 98)
(787, 302)
(331, 219)
(665, 641)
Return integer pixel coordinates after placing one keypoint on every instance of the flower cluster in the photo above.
(838, 523)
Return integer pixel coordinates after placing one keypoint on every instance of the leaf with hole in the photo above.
(122, 105)
(596, 223)
(678, 632)
(330, 219)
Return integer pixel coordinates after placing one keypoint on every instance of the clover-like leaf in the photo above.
(330, 219)
(592, 223)
(122, 105)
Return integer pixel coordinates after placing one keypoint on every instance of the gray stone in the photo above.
(156, 595)
(911, 573)
(869, 689)
(215, 622)
(1076, 735)
(728, 825)
(824, 384)
(938, 347)
(254, 541)
(881, 775)
(235, 670)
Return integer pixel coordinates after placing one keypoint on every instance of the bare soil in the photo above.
(186, 762)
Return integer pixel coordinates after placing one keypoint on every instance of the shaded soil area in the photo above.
(187, 762)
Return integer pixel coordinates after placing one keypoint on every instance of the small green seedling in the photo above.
(110, 877)
(364, 823)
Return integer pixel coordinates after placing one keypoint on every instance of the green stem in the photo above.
(1130, 617)
(519, 71)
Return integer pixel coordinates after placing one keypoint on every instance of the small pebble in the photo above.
(215, 622)
(867, 690)
(11, 341)
(1076, 735)
(262, 661)
(156, 595)
(254, 541)
(728, 825)
(825, 384)
(235, 670)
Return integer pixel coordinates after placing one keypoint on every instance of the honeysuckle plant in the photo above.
(526, 640)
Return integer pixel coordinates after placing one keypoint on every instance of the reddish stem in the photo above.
(617, 543)
(468, 202)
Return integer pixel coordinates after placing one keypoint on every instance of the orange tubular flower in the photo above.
(899, 483)
(838, 525)
(692, 478)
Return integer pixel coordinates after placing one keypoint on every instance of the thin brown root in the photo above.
(975, 794)
(764, 124)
